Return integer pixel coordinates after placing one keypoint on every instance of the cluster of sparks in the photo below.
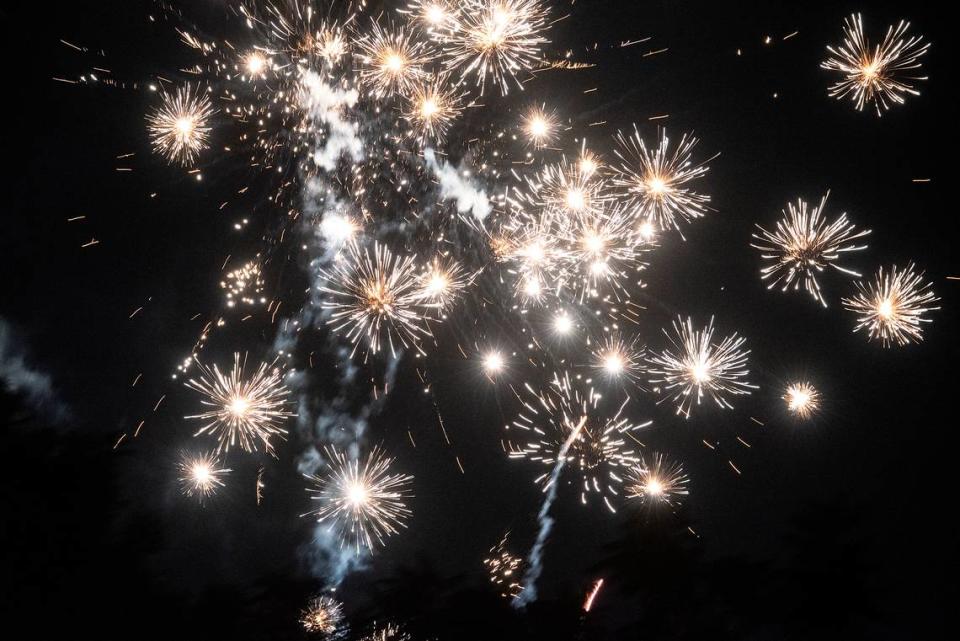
(657, 481)
(323, 616)
(244, 285)
(803, 399)
(892, 307)
(180, 127)
(363, 500)
(201, 476)
(505, 569)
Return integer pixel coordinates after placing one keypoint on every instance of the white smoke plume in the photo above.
(328, 105)
(455, 186)
(19, 377)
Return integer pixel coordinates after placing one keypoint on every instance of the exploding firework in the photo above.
(392, 60)
(495, 40)
(201, 476)
(431, 109)
(892, 307)
(882, 75)
(694, 366)
(390, 632)
(442, 281)
(323, 616)
(653, 184)
(375, 296)
(803, 245)
(540, 127)
(803, 399)
(599, 451)
(657, 481)
(244, 412)
(179, 127)
(244, 285)
(617, 357)
(505, 569)
(566, 189)
(602, 249)
(363, 502)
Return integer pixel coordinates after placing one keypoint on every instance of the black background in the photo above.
(840, 527)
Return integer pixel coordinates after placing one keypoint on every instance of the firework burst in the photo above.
(882, 75)
(375, 296)
(392, 60)
(431, 108)
(540, 127)
(505, 569)
(617, 357)
(803, 245)
(362, 501)
(201, 476)
(179, 127)
(653, 184)
(694, 366)
(803, 399)
(891, 307)
(244, 412)
(442, 281)
(657, 481)
(323, 616)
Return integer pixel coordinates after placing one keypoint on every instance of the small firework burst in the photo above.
(802, 398)
(540, 127)
(617, 357)
(256, 64)
(363, 502)
(599, 449)
(323, 616)
(442, 281)
(534, 251)
(244, 412)
(392, 60)
(564, 188)
(803, 245)
(505, 569)
(602, 249)
(892, 307)
(179, 127)
(882, 75)
(496, 40)
(493, 363)
(244, 285)
(657, 481)
(694, 366)
(431, 109)
(339, 229)
(389, 632)
(653, 184)
(375, 296)
(433, 15)
(201, 476)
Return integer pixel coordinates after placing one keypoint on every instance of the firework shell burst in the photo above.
(201, 475)
(892, 307)
(656, 480)
(324, 616)
(179, 127)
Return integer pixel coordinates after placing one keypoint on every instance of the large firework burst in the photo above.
(657, 481)
(375, 296)
(882, 75)
(244, 412)
(201, 475)
(694, 366)
(892, 306)
(803, 245)
(362, 501)
(179, 127)
(654, 183)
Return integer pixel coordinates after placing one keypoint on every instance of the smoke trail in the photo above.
(454, 186)
(535, 560)
(19, 378)
(326, 104)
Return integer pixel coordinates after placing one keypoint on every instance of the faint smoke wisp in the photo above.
(20, 378)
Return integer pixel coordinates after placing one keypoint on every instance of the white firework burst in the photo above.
(892, 307)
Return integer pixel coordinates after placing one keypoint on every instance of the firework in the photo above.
(505, 569)
(363, 502)
(803, 245)
(657, 481)
(495, 40)
(602, 249)
(201, 476)
(803, 400)
(442, 281)
(617, 357)
(243, 285)
(339, 229)
(391, 59)
(322, 616)
(434, 15)
(882, 75)
(493, 363)
(653, 184)
(431, 108)
(892, 306)
(535, 251)
(694, 366)
(244, 412)
(390, 632)
(599, 450)
(376, 296)
(566, 189)
(179, 126)
(540, 127)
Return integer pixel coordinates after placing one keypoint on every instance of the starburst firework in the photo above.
(244, 412)
(323, 616)
(892, 306)
(657, 481)
(179, 126)
(802, 398)
(363, 502)
(694, 366)
(431, 108)
(882, 75)
(803, 245)
(201, 476)
(392, 60)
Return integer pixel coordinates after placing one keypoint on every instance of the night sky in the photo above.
(838, 527)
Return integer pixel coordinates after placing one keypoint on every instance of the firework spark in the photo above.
(882, 75)
(803, 399)
(803, 245)
(392, 60)
(442, 281)
(375, 296)
(657, 481)
(322, 616)
(201, 476)
(505, 569)
(179, 127)
(618, 357)
(694, 366)
(245, 412)
(496, 40)
(653, 184)
(540, 127)
(243, 285)
(390, 632)
(892, 306)
(362, 501)
(432, 108)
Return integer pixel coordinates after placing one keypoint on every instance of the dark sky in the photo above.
(839, 527)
